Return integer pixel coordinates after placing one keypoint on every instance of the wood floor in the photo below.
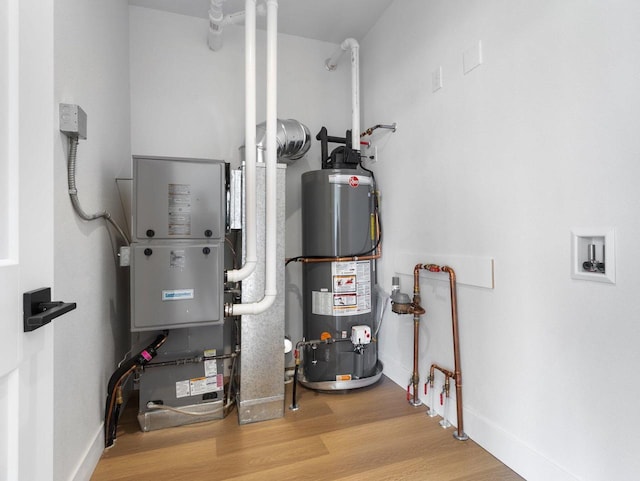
(371, 434)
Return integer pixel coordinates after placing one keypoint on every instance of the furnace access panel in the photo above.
(177, 257)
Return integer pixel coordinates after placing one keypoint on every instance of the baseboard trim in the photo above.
(89, 461)
(510, 450)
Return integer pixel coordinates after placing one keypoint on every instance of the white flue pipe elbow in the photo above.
(251, 308)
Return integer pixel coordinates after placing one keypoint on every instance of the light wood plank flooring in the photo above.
(369, 434)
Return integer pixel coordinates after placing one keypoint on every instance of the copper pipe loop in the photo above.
(456, 375)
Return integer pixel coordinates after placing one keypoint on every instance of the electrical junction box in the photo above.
(360, 335)
(177, 257)
(73, 121)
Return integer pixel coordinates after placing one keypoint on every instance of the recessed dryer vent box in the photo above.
(593, 255)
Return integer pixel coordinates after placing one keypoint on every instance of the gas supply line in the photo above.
(296, 355)
(114, 399)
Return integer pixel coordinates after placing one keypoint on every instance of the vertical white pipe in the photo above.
(332, 63)
(251, 257)
(272, 147)
(352, 43)
(271, 171)
(216, 18)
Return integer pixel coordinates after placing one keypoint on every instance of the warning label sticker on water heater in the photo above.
(351, 291)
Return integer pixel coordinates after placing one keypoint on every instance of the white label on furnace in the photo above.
(178, 294)
(217, 382)
(210, 367)
(182, 389)
(179, 209)
(178, 258)
(199, 385)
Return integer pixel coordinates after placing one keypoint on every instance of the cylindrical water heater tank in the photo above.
(338, 221)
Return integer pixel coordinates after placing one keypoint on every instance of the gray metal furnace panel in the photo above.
(176, 198)
(195, 387)
(176, 285)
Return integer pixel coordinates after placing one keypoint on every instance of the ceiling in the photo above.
(326, 20)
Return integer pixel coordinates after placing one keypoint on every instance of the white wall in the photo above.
(503, 162)
(188, 101)
(91, 70)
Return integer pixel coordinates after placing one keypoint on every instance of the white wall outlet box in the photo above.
(593, 254)
(73, 121)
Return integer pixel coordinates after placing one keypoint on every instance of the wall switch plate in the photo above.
(599, 243)
(436, 79)
(472, 58)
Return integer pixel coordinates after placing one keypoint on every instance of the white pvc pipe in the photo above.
(216, 18)
(331, 63)
(272, 147)
(271, 171)
(355, 90)
(251, 257)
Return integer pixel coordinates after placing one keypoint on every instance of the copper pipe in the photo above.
(460, 435)
(415, 377)
(446, 372)
(311, 260)
(417, 309)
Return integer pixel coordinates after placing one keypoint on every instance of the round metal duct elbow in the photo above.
(292, 137)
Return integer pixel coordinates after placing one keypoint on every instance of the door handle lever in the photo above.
(39, 310)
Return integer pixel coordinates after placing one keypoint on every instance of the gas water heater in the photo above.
(339, 237)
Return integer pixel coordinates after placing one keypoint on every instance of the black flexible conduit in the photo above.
(118, 378)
